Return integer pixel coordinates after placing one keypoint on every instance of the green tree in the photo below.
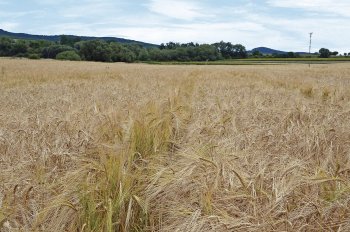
(190, 44)
(155, 54)
(36, 47)
(257, 53)
(291, 55)
(162, 46)
(172, 45)
(224, 49)
(335, 53)
(324, 53)
(19, 48)
(121, 53)
(5, 46)
(206, 52)
(135, 48)
(95, 50)
(179, 54)
(68, 55)
(33, 56)
(69, 40)
(230, 51)
(238, 51)
(144, 55)
(52, 51)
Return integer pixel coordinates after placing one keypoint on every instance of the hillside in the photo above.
(270, 51)
(265, 50)
(55, 38)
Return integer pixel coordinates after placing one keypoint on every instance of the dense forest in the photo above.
(73, 48)
(76, 48)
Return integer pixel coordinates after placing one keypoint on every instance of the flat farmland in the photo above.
(134, 147)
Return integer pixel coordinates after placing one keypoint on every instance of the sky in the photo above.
(279, 24)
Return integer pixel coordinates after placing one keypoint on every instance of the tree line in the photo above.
(326, 53)
(72, 48)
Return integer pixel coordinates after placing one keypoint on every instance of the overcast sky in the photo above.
(279, 24)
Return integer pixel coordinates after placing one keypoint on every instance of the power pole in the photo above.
(311, 33)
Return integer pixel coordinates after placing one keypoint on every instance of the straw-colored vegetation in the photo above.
(116, 147)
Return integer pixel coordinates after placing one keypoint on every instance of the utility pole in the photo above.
(310, 47)
(311, 33)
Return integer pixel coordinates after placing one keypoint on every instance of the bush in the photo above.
(33, 56)
(324, 53)
(52, 51)
(20, 55)
(121, 53)
(68, 55)
(95, 50)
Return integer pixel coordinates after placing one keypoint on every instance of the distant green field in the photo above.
(258, 61)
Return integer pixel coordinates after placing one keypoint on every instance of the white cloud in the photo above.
(252, 31)
(17, 14)
(184, 10)
(89, 9)
(236, 32)
(328, 32)
(8, 25)
(268, 23)
(338, 7)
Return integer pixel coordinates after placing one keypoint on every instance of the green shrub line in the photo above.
(68, 55)
(73, 48)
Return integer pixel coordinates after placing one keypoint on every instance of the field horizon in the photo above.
(88, 146)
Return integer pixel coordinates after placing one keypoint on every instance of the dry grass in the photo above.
(116, 147)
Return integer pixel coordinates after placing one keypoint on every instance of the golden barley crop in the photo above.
(133, 147)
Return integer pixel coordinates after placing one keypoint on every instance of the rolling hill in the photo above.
(55, 38)
(270, 51)
(265, 50)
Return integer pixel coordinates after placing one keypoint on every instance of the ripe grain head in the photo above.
(94, 146)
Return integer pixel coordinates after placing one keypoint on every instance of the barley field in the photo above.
(136, 147)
